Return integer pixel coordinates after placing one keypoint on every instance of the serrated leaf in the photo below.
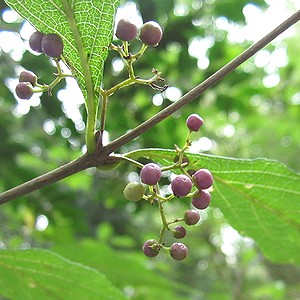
(86, 28)
(259, 197)
(41, 274)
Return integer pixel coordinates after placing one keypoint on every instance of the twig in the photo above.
(101, 155)
(205, 85)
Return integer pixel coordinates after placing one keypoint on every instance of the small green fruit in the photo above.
(134, 191)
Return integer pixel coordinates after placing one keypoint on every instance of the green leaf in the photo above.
(86, 28)
(259, 198)
(41, 274)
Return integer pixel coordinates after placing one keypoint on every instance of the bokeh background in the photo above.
(253, 112)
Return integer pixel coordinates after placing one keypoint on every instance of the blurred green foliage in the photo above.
(89, 220)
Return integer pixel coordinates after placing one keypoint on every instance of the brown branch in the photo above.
(205, 85)
(100, 157)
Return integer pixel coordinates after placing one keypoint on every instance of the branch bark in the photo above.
(101, 156)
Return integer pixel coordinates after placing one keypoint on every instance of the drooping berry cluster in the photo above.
(50, 44)
(189, 184)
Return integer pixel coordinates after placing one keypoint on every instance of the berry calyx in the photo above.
(150, 249)
(179, 232)
(134, 191)
(202, 199)
(27, 76)
(35, 41)
(181, 185)
(194, 122)
(151, 33)
(203, 178)
(126, 30)
(24, 90)
(52, 45)
(191, 217)
(150, 174)
(178, 251)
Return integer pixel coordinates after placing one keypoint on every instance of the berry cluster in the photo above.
(191, 184)
(50, 44)
(150, 33)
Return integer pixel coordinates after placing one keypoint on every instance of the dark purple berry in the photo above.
(194, 122)
(126, 30)
(181, 185)
(24, 90)
(149, 248)
(191, 217)
(35, 41)
(27, 76)
(150, 174)
(134, 191)
(203, 178)
(52, 45)
(179, 232)
(151, 33)
(178, 251)
(201, 200)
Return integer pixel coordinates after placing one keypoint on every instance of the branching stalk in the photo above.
(101, 155)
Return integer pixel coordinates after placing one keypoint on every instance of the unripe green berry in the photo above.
(134, 191)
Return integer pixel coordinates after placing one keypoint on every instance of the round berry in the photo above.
(203, 178)
(178, 251)
(52, 45)
(27, 76)
(149, 248)
(179, 232)
(194, 122)
(35, 41)
(191, 217)
(150, 174)
(151, 33)
(134, 191)
(201, 200)
(181, 185)
(126, 30)
(24, 90)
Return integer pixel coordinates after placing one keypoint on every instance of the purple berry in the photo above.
(24, 90)
(52, 45)
(27, 76)
(181, 185)
(178, 251)
(150, 174)
(134, 191)
(179, 232)
(149, 248)
(194, 122)
(203, 178)
(201, 200)
(35, 41)
(191, 217)
(126, 30)
(151, 33)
